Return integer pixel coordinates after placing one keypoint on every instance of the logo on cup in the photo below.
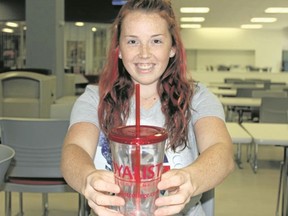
(147, 172)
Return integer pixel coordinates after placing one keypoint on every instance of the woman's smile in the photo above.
(144, 67)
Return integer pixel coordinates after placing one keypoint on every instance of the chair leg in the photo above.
(83, 206)
(21, 211)
(248, 152)
(80, 205)
(7, 203)
(45, 204)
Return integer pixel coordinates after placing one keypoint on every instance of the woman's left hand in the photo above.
(180, 189)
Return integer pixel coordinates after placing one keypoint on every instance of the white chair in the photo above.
(6, 155)
(36, 165)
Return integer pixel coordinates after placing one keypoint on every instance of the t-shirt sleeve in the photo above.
(205, 103)
(85, 108)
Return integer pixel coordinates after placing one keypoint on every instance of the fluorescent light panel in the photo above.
(12, 24)
(79, 23)
(251, 26)
(194, 9)
(7, 30)
(277, 10)
(190, 26)
(192, 19)
(263, 19)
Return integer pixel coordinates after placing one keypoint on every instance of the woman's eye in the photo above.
(132, 42)
(157, 41)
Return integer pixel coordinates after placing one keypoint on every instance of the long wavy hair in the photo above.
(116, 86)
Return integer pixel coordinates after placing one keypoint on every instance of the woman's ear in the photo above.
(172, 52)
(120, 55)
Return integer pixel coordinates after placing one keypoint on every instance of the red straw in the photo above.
(137, 110)
(137, 156)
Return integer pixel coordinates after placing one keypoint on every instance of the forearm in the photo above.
(76, 165)
(211, 167)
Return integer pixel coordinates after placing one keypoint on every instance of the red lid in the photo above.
(148, 134)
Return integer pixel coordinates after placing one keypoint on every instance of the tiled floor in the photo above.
(244, 193)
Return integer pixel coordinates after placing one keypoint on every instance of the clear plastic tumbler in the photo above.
(137, 163)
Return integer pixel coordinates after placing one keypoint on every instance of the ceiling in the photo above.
(223, 13)
(234, 13)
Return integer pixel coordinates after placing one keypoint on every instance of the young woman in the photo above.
(146, 49)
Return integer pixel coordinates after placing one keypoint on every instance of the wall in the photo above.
(266, 44)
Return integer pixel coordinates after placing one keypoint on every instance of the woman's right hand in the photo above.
(100, 190)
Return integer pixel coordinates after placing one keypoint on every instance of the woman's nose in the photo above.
(144, 51)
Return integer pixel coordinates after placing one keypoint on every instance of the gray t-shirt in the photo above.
(204, 104)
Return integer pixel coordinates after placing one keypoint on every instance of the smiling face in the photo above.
(145, 46)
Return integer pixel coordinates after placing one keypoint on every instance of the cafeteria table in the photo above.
(271, 134)
(239, 136)
(240, 104)
(224, 92)
(222, 85)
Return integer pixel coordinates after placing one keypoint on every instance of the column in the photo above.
(45, 37)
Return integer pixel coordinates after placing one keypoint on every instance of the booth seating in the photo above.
(26, 94)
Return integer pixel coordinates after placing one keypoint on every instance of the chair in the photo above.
(274, 110)
(35, 167)
(265, 93)
(6, 155)
(208, 202)
(268, 93)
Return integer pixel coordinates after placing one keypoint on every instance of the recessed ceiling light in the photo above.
(192, 19)
(277, 10)
(7, 30)
(12, 24)
(94, 29)
(79, 23)
(190, 26)
(251, 26)
(263, 19)
(194, 9)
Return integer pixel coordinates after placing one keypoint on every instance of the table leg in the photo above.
(284, 183)
(279, 188)
(238, 156)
